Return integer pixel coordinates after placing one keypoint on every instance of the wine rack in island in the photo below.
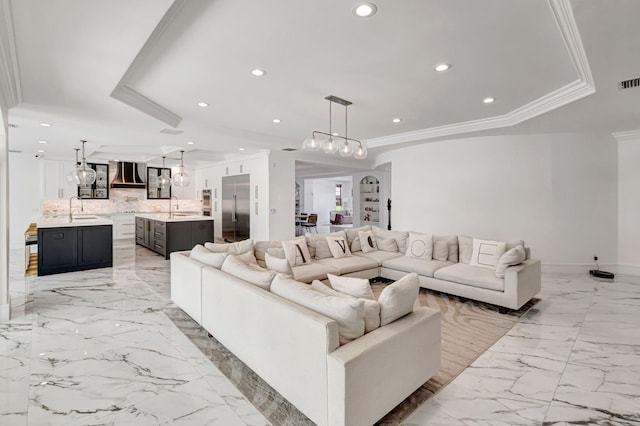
(370, 201)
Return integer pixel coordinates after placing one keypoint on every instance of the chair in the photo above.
(311, 223)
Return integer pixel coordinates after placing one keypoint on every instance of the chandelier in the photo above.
(164, 181)
(344, 145)
(83, 175)
(180, 178)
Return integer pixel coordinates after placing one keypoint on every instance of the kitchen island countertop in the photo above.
(164, 217)
(78, 220)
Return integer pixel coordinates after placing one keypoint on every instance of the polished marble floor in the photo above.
(95, 347)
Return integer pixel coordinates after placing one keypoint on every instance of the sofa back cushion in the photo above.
(296, 251)
(400, 237)
(465, 248)
(486, 253)
(322, 249)
(260, 248)
(249, 272)
(452, 246)
(371, 307)
(397, 299)
(352, 236)
(238, 247)
(356, 287)
(348, 313)
(203, 255)
(312, 239)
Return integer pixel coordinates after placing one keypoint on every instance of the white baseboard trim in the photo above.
(576, 268)
(628, 269)
(5, 312)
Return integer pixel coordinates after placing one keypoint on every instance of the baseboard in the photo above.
(5, 312)
(577, 268)
(628, 269)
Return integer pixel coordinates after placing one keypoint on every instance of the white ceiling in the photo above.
(117, 72)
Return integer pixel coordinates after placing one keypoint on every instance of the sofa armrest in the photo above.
(374, 373)
(186, 284)
(522, 281)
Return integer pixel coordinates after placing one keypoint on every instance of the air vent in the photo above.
(171, 131)
(628, 84)
(289, 149)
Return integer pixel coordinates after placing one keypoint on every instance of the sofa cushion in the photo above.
(378, 256)
(249, 272)
(352, 235)
(260, 248)
(515, 243)
(238, 247)
(296, 251)
(470, 275)
(440, 250)
(205, 256)
(322, 249)
(349, 264)
(371, 307)
(388, 244)
(486, 253)
(420, 246)
(316, 270)
(339, 247)
(312, 239)
(465, 248)
(398, 299)
(369, 241)
(399, 236)
(452, 243)
(426, 268)
(348, 313)
(276, 263)
(356, 287)
(515, 256)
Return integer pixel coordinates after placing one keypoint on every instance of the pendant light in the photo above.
(70, 176)
(84, 176)
(163, 181)
(180, 178)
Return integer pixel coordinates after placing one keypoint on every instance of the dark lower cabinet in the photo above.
(76, 248)
(166, 237)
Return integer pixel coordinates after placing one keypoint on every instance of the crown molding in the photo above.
(578, 89)
(632, 135)
(10, 84)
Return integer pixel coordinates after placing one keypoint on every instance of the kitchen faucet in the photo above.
(171, 205)
(71, 211)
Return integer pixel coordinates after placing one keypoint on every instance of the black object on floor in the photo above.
(601, 274)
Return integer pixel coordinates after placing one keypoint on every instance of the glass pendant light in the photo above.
(346, 150)
(84, 176)
(71, 175)
(163, 181)
(361, 152)
(180, 178)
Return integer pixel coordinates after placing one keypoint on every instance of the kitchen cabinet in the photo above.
(124, 226)
(74, 248)
(166, 235)
(100, 188)
(55, 183)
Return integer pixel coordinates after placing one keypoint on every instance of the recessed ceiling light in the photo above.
(442, 67)
(488, 100)
(397, 120)
(203, 104)
(241, 149)
(41, 151)
(276, 120)
(363, 10)
(42, 142)
(46, 124)
(190, 142)
(258, 72)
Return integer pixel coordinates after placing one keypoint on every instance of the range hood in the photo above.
(127, 176)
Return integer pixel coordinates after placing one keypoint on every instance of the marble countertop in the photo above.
(78, 220)
(177, 217)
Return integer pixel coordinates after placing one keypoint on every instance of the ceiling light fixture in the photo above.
(277, 120)
(442, 67)
(46, 124)
(83, 175)
(488, 100)
(164, 181)
(203, 104)
(331, 146)
(41, 151)
(180, 178)
(258, 72)
(364, 10)
(241, 149)
(42, 142)
(190, 142)
(397, 120)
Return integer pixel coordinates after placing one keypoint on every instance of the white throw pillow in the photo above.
(388, 244)
(398, 299)
(238, 247)
(277, 264)
(247, 257)
(296, 251)
(420, 246)
(356, 287)
(400, 237)
(440, 250)
(352, 234)
(371, 307)
(486, 253)
(203, 255)
(249, 272)
(339, 247)
(515, 256)
(367, 241)
(347, 312)
(465, 248)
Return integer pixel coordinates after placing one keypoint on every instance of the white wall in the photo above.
(629, 207)
(281, 208)
(557, 192)
(320, 198)
(24, 190)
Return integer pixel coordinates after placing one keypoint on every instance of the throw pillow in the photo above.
(369, 241)
(440, 250)
(465, 248)
(512, 244)
(296, 251)
(387, 244)
(398, 299)
(399, 236)
(249, 272)
(352, 234)
(247, 257)
(322, 249)
(203, 255)
(515, 256)
(420, 246)
(312, 239)
(486, 253)
(347, 312)
(339, 247)
(355, 245)
(277, 252)
(371, 307)
(452, 243)
(238, 247)
(356, 287)
(277, 264)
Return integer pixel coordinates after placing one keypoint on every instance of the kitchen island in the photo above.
(66, 245)
(164, 233)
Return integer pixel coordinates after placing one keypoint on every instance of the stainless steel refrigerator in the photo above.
(235, 208)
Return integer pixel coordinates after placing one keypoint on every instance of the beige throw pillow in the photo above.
(400, 237)
(367, 241)
(440, 250)
(486, 253)
(465, 248)
(238, 247)
(387, 244)
(249, 272)
(420, 246)
(371, 307)
(203, 255)
(515, 256)
(339, 247)
(356, 287)
(296, 251)
(398, 299)
(277, 264)
(322, 249)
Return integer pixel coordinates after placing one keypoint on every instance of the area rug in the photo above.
(469, 328)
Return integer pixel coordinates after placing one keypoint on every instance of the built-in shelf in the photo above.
(370, 201)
